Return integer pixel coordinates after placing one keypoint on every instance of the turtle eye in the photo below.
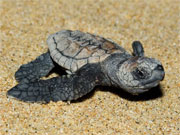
(139, 74)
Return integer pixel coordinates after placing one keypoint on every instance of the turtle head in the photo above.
(139, 74)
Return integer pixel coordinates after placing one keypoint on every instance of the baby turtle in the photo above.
(89, 60)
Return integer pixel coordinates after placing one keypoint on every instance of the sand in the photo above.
(25, 26)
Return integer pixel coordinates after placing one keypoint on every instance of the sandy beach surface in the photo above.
(25, 26)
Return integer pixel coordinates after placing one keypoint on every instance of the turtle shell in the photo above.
(74, 49)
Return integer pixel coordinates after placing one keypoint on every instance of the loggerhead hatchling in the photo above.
(89, 60)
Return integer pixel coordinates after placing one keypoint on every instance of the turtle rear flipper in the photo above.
(36, 69)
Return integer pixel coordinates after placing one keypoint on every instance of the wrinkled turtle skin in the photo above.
(89, 60)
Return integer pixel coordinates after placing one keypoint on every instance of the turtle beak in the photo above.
(158, 75)
(160, 71)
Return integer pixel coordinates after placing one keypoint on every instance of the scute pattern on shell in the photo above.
(74, 49)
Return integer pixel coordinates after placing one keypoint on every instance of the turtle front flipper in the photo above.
(41, 91)
(36, 69)
(65, 88)
(137, 49)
